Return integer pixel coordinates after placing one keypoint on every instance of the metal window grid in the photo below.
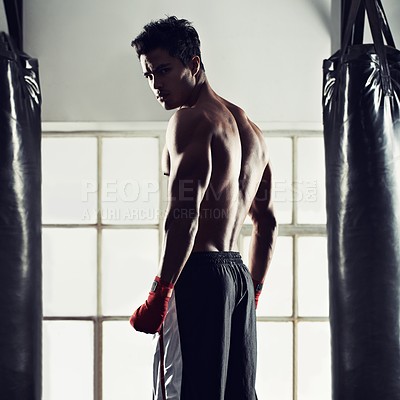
(294, 230)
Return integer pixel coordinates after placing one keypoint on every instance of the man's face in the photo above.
(170, 81)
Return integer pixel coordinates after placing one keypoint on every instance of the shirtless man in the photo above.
(203, 300)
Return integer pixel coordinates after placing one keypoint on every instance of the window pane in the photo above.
(313, 276)
(69, 171)
(127, 362)
(130, 263)
(67, 360)
(310, 190)
(274, 362)
(69, 272)
(280, 150)
(314, 369)
(276, 297)
(130, 181)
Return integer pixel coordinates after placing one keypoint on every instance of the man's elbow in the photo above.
(266, 223)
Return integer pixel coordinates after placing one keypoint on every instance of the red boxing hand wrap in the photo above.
(149, 317)
(258, 285)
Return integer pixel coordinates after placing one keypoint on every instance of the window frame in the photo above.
(294, 229)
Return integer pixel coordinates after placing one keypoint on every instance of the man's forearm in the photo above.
(179, 236)
(262, 245)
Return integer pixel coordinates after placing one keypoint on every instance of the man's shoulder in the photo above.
(190, 121)
(236, 110)
(188, 125)
(190, 116)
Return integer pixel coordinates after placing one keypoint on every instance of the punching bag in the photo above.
(361, 102)
(20, 225)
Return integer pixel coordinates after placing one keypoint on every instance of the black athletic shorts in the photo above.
(206, 349)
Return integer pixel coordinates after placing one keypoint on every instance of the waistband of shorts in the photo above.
(216, 257)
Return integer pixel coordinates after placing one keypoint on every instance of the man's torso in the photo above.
(238, 158)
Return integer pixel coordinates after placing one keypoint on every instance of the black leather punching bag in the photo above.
(361, 111)
(20, 225)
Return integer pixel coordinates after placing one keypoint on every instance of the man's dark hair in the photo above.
(177, 36)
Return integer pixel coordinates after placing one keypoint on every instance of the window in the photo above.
(103, 202)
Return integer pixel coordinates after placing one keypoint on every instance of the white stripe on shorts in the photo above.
(167, 366)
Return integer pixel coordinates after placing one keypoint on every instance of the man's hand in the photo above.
(258, 285)
(149, 317)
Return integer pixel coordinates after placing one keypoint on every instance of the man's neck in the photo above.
(200, 87)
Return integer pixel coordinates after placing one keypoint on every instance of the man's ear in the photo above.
(195, 65)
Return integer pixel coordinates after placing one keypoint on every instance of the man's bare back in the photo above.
(239, 158)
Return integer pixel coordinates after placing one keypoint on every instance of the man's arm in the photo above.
(188, 144)
(264, 229)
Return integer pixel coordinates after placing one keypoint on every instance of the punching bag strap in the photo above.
(358, 31)
(14, 19)
(348, 31)
(378, 24)
(376, 30)
(5, 50)
(357, 35)
(385, 25)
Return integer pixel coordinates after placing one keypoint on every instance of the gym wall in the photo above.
(264, 55)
